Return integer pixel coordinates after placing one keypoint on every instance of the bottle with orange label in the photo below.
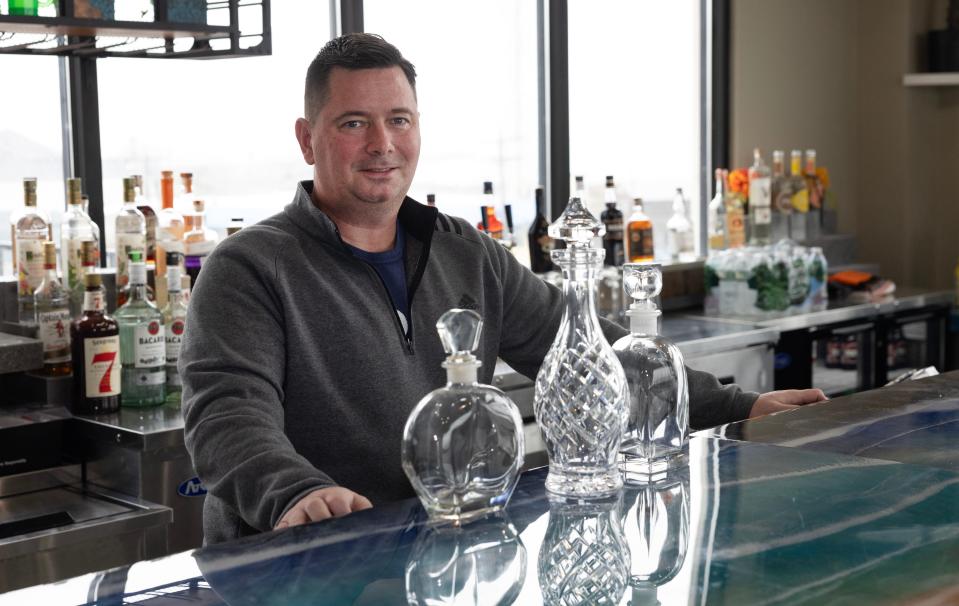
(95, 340)
(142, 343)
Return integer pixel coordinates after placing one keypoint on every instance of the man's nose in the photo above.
(380, 140)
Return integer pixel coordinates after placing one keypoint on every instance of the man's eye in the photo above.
(352, 124)
(401, 121)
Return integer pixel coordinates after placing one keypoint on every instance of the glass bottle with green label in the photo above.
(142, 343)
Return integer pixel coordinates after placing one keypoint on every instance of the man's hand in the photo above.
(787, 399)
(324, 503)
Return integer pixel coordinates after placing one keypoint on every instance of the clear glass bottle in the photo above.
(639, 235)
(131, 232)
(782, 198)
(483, 562)
(236, 224)
(200, 240)
(142, 343)
(96, 350)
(657, 433)
(149, 217)
(31, 230)
(174, 320)
(52, 302)
(680, 230)
(76, 229)
(656, 525)
(463, 443)
(580, 397)
(818, 279)
(799, 195)
(760, 201)
(612, 218)
(716, 215)
(170, 231)
(584, 557)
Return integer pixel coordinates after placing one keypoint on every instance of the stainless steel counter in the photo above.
(149, 428)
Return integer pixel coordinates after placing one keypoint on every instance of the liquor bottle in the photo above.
(679, 230)
(657, 433)
(816, 194)
(131, 232)
(580, 397)
(782, 198)
(716, 215)
(735, 217)
(76, 229)
(483, 224)
(760, 200)
(185, 282)
(142, 343)
(235, 225)
(186, 194)
(580, 189)
(431, 199)
(612, 218)
(200, 240)
(174, 319)
(149, 216)
(124, 293)
(479, 427)
(799, 196)
(540, 244)
(52, 302)
(89, 254)
(509, 239)
(492, 225)
(31, 230)
(639, 234)
(170, 227)
(818, 279)
(95, 337)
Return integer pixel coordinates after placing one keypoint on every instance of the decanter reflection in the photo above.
(482, 562)
(580, 396)
(584, 558)
(656, 525)
(463, 443)
(657, 432)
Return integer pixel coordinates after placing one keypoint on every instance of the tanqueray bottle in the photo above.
(657, 433)
(463, 443)
(580, 394)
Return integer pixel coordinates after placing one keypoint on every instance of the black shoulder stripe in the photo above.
(442, 219)
(457, 227)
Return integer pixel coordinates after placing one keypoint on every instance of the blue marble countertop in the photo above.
(744, 523)
(911, 422)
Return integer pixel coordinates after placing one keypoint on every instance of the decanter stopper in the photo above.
(643, 282)
(577, 226)
(460, 331)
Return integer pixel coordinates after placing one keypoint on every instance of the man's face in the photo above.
(364, 143)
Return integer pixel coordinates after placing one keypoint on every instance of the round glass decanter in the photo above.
(580, 395)
(657, 432)
(463, 443)
(483, 562)
(584, 557)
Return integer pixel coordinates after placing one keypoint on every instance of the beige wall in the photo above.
(828, 74)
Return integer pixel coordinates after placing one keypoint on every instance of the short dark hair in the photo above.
(350, 51)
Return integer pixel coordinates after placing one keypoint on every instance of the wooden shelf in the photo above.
(931, 79)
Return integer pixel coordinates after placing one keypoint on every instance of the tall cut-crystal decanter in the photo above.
(463, 443)
(658, 429)
(580, 397)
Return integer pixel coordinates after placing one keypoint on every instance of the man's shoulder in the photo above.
(455, 228)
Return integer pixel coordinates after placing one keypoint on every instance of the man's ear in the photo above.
(304, 137)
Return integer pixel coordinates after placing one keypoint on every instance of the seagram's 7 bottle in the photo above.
(95, 337)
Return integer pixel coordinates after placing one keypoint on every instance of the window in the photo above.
(31, 144)
(634, 103)
(228, 121)
(477, 91)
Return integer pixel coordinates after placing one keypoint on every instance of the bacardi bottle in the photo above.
(760, 200)
(95, 338)
(52, 302)
(174, 320)
(31, 230)
(77, 228)
(131, 232)
(142, 343)
(612, 218)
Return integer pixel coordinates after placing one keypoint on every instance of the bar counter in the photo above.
(744, 523)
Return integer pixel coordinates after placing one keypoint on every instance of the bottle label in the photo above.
(155, 377)
(800, 201)
(640, 243)
(761, 215)
(735, 228)
(760, 193)
(29, 265)
(101, 365)
(149, 345)
(127, 243)
(174, 336)
(93, 300)
(54, 332)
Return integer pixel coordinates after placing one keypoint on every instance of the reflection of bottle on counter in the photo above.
(850, 353)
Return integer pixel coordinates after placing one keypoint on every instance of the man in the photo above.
(312, 333)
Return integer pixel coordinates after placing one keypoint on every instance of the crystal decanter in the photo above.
(463, 443)
(580, 396)
(483, 562)
(584, 557)
(658, 429)
(656, 524)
